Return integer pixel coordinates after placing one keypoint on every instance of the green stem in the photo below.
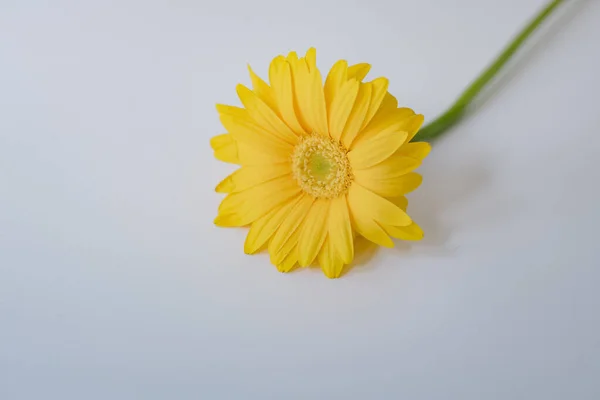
(457, 110)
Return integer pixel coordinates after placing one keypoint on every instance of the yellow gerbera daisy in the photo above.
(320, 163)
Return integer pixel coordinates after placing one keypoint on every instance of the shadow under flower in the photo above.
(443, 188)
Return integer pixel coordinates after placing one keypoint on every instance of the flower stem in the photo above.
(457, 110)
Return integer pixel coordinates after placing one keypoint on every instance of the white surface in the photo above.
(114, 283)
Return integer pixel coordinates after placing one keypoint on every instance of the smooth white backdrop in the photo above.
(114, 283)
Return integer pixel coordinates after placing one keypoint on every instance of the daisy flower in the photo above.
(325, 164)
(321, 163)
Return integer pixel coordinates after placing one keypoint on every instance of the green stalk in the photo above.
(457, 110)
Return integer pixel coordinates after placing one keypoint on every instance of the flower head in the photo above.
(320, 163)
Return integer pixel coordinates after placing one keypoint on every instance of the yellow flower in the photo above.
(320, 163)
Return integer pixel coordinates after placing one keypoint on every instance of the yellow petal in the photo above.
(262, 90)
(242, 208)
(228, 221)
(396, 119)
(340, 108)
(216, 142)
(373, 232)
(364, 225)
(340, 229)
(288, 246)
(357, 115)
(308, 86)
(292, 57)
(378, 208)
(393, 187)
(392, 167)
(359, 71)
(240, 125)
(234, 111)
(330, 262)
(288, 227)
(301, 80)
(376, 149)
(263, 228)
(401, 202)
(416, 150)
(413, 126)
(313, 232)
(289, 262)
(226, 185)
(251, 175)
(318, 109)
(255, 154)
(335, 79)
(280, 75)
(380, 86)
(389, 102)
(311, 59)
(409, 232)
(227, 152)
(264, 116)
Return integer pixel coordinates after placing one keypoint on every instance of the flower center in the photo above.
(321, 167)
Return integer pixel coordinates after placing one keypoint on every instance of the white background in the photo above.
(114, 283)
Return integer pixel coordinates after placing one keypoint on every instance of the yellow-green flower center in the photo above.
(321, 167)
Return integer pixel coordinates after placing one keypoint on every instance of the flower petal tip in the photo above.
(224, 221)
(332, 276)
(225, 186)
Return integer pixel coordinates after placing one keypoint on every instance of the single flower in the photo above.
(320, 163)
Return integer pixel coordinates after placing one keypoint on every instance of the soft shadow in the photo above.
(442, 189)
(446, 186)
